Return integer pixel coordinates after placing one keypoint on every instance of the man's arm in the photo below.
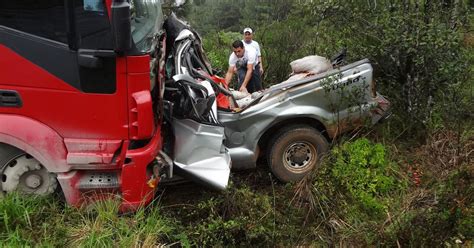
(229, 74)
(247, 78)
(259, 54)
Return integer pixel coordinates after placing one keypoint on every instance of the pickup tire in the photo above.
(294, 151)
(21, 172)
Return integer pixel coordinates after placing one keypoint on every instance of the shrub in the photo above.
(361, 168)
(417, 50)
(441, 214)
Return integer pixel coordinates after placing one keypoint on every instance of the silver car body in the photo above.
(199, 152)
(317, 100)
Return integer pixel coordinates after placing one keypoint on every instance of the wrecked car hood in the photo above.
(199, 151)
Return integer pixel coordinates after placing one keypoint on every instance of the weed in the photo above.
(358, 196)
(102, 226)
(361, 168)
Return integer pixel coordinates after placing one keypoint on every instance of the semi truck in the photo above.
(82, 107)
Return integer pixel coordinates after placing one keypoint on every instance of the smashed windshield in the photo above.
(147, 18)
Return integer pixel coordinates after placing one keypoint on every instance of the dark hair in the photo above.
(237, 44)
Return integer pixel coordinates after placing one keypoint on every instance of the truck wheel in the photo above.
(295, 151)
(23, 173)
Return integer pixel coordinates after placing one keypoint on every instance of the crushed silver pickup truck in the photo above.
(290, 123)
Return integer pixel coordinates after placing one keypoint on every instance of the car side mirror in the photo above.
(121, 26)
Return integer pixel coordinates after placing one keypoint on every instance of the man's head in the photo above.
(238, 48)
(248, 35)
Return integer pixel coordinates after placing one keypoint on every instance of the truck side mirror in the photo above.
(121, 26)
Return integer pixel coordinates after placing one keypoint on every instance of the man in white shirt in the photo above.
(243, 61)
(248, 41)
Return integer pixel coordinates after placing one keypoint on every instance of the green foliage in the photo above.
(22, 221)
(218, 48)
(421, 50)
(211, 16)
(282, 43)
(416, 47)
(101, 225)
(439, 216)
(351, 194)
(240, 216)
(38, 221)
(358, 197)
(362, 169)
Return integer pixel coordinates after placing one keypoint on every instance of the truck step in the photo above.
(104, 180)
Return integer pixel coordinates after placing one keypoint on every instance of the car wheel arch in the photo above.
(277, 126)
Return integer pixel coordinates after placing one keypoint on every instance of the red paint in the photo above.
(141, 116)
(90, 151)
(135, 190)
(108, 4)
(141, 120)
(32, 76)
(71, 132)
(139, 64)
(222, 100)
(68, 181)
(35, 138)
(71, 113)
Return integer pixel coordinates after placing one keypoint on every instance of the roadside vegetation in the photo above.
(406, 182)
(361, 195)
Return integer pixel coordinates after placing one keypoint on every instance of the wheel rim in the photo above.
(26, 174)
(299, 156)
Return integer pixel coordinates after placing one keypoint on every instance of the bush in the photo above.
(218, 48)
(439, 215)
(240, 216)
(362, 169)
(417, 49)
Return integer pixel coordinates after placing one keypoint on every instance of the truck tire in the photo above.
(295, 151)
(21, 172)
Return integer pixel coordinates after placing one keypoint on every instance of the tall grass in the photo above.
(40, 221)
(417, 204)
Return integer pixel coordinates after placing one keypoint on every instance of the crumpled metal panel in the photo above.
(199, 151)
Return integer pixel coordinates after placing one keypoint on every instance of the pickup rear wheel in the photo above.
(23, 173)
(295, 151)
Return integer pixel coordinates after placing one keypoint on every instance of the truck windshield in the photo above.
(147, 18)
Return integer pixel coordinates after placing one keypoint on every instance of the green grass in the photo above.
(325, 209)
(46, 222)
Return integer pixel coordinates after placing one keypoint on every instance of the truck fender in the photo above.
(295, 114)
(36, 139)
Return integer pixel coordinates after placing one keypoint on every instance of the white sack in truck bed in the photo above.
(307, 66)
(313, 64)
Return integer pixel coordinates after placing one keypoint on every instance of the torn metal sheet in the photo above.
(199, 152)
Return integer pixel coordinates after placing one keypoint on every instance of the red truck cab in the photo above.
(81, 98)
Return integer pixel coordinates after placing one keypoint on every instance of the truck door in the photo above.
(58, 56)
